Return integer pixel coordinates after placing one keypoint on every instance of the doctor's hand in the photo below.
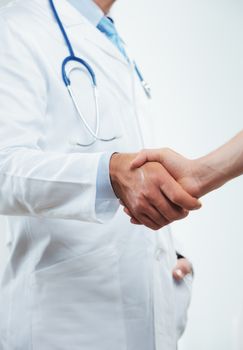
(150, 195)
(182, 269)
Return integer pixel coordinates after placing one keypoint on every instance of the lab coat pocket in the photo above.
(76, 304)
(183, 291)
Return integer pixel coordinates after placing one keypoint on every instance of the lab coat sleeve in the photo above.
(35, 182)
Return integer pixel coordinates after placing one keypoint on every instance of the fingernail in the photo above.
(179, 273)
(199, 204)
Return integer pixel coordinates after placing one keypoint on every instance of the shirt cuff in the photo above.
(107, 204)
(104, 190)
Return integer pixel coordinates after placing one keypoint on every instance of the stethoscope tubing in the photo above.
(67, 81)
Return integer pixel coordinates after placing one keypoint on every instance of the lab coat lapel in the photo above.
(67, 13)
(96, 38)
(77, 27)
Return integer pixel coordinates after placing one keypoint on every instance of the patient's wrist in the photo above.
(210, 174)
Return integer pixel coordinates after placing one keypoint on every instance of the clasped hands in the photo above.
(156, 187)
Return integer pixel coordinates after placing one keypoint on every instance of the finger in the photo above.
(127, 211)
(183, 268)
(135, 222)
(167, 209)
(147, 215)
(159, 209)
(144, 157)
(146, 221)
(178, 274)
(177, 195)
(156, 216)
(121, 202)
(140, 160)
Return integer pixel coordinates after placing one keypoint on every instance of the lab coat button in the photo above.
(73, 142)
(159, 252)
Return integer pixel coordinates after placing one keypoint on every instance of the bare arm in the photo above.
(222, 165)
(201, 175)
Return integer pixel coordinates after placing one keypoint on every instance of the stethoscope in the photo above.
(67, 81)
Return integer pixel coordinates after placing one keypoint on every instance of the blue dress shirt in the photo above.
(89, 10)
(104, 191)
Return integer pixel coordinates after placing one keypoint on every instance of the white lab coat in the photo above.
(79, 275)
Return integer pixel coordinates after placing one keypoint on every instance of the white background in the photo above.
(191, 52)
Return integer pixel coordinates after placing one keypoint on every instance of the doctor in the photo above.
(79, 275)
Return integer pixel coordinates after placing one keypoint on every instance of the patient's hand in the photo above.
(186, 172)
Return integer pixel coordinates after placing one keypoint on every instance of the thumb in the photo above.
(141, 158)
(178, 274)
(182, 269)
(176, 193)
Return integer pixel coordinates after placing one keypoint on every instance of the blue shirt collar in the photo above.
(89, 10)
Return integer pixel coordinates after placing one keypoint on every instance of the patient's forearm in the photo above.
(222, 165)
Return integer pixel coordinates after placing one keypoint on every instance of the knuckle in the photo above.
(185, 214)
(170, 193)
(175, 196)
(140, 206)
(159, 223)
(162, 224)
(139, 209)
(154, 227)
(155, 215)
(155, 176)
(178, 215)
(144, 151)
(182, 214)
(193, 206)
(172, 217)
(160, 219)
(168, 212)
(147, 193)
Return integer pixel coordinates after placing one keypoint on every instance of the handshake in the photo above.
(157, 187)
